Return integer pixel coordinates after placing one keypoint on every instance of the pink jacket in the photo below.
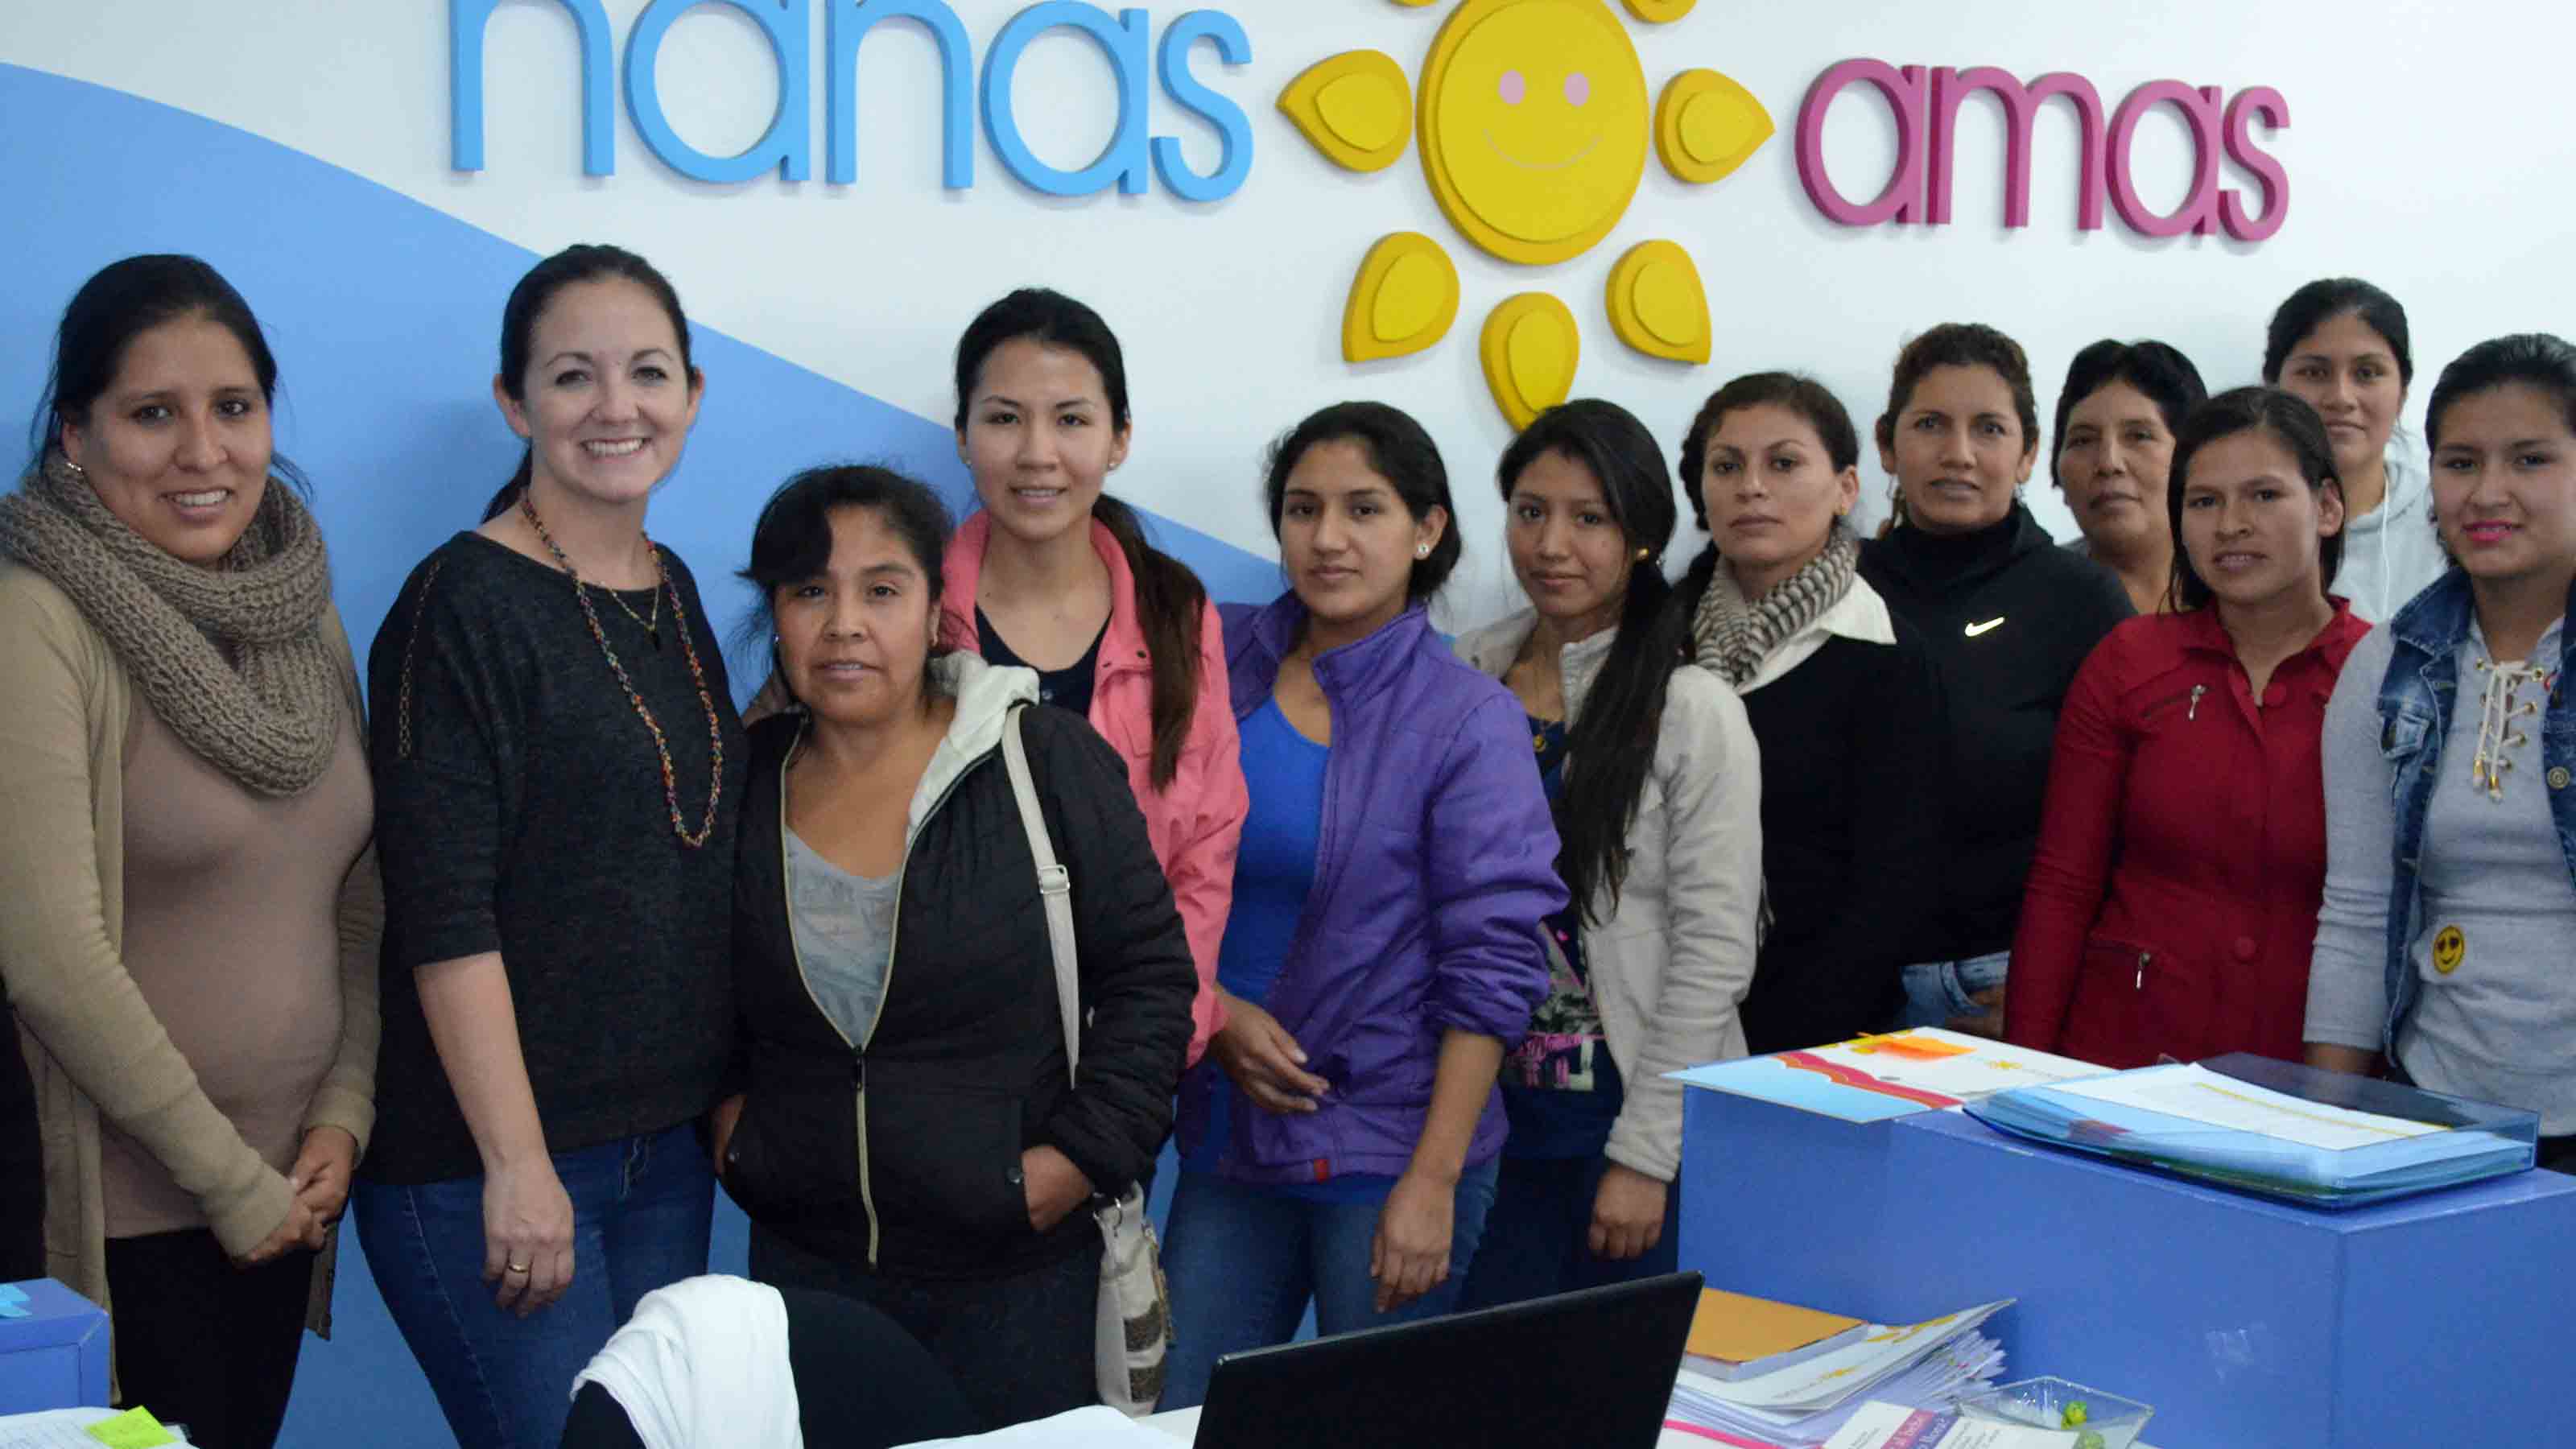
(1196, 823)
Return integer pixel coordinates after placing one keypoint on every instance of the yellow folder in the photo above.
(1736, 1328)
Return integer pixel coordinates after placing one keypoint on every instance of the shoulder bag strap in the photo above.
(1055, 887)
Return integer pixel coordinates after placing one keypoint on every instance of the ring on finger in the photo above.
(514, 1267)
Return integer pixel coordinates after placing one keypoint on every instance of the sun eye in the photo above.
(1578, 88)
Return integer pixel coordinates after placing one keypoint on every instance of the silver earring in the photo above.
(76, 470)
(1422, 550)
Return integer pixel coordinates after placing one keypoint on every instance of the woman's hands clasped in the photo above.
(318, 1185)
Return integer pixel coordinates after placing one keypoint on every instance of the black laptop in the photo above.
(1587, 1370)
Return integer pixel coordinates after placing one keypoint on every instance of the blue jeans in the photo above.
(641, 1208)
(1537, 1239)
(1242, 1261)
(1936, 991)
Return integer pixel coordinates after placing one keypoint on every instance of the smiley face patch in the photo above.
(2449, 949)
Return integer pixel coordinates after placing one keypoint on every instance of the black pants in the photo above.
(1019, 1348)
(202, 1343)
(861, 1383)
(22, 1165)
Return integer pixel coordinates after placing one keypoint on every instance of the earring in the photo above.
(79, 473)
(1644, 554)
(1422, 550)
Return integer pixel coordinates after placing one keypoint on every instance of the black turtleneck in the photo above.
(2006, 618)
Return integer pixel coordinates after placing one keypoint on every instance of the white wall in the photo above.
(2429, 150)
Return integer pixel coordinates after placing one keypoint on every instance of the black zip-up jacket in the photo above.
(905, 1155)
(2006, 618)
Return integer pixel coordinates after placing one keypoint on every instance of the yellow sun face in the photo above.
(1535, 126)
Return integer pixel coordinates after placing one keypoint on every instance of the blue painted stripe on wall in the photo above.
(385, 316)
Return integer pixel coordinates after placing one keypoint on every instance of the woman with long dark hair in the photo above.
(1338, 1144)
(2172, 901)
(2117, 415)
(2450, 747)
(2006, 617)
(1655, 784)
(2342, 346)
(188, 904)
(1838, 693)
(558, 769)
(1055, 574)
(909, 1136)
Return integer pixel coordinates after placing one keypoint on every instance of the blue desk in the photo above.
(56, 1356)
(2248, 1324)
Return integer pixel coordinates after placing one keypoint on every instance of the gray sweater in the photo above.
(2495, 1024)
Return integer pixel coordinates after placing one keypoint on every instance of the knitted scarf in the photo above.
(1734, 635)
(232, 658)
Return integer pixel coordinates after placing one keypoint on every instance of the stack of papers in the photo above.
(2239, 1133)
(1922, 1365)
(1874, 1078)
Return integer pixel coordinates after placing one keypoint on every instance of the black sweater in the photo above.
(905, 1156)
(1851, 811)
(520, 809)
(2006, 618)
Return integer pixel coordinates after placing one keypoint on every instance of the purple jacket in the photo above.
(1438, 861)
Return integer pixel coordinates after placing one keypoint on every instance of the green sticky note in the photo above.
(133, 1429)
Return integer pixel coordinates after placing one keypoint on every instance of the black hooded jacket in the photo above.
(903, 1153)
(2006, 617)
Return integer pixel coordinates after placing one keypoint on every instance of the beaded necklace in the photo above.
(680, 622)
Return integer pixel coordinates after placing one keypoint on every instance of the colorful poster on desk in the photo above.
(1897, 1074)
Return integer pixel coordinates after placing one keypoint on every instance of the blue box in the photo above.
(56, 1356)
(2247, 1324)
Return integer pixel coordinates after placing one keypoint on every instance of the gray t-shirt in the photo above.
(844, 927)
(2498, 906)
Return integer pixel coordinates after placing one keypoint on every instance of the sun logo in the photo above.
(1535, 127)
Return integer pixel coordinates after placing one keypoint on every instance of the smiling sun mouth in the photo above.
(1577, 159)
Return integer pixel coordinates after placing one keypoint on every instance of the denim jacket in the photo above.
(2415, 701)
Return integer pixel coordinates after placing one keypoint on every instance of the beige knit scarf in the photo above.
(1733, 635)
(269, 714)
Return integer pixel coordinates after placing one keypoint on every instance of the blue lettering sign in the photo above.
(466, 22)
(1232, 125)
(784, 147)
(851, 20)
(1125, 43)
(1131, 161)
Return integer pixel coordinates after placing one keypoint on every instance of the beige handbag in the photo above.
(1134, 1332)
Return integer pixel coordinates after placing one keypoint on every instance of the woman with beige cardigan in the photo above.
(1655, 784)
(189, 904)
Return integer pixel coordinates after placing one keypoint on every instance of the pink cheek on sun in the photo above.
(1515, 89)
(1578, 88)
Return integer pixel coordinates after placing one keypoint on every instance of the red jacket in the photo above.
(2172, 906)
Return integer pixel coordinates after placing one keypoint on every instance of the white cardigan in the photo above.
(1671, 964)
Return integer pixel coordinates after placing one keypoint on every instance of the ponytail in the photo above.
(508, 498)
(1611, 748)
(1171, 605)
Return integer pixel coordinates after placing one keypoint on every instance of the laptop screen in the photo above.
(1592, 1369)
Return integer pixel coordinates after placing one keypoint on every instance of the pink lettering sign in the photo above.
(1925, 106)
